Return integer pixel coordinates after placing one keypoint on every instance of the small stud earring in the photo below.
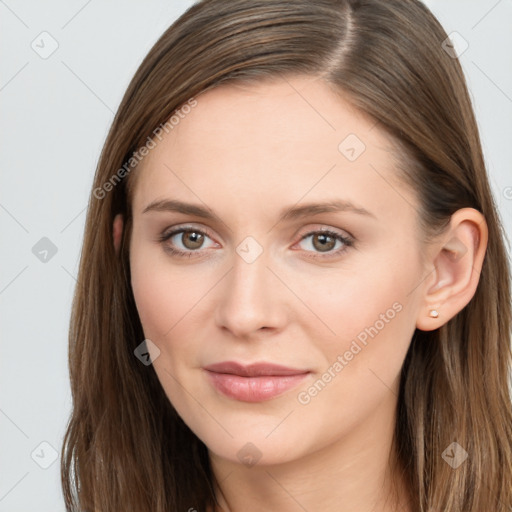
(433, 313)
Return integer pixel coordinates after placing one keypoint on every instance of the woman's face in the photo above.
(255, 285)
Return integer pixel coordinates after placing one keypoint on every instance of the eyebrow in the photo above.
(289, 213)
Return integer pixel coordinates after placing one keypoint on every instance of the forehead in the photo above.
(289, 138)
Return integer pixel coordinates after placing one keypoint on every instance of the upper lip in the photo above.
(253, 370)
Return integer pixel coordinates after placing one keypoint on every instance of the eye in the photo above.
(191, 239)
(324, 241)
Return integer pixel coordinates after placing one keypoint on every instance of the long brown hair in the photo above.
(125, 447)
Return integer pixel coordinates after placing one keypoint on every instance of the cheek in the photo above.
(362, 362)
(366, 315)
(347, 300)
(163, 293)
(167, 299)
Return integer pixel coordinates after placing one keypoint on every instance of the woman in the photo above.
(294, 292)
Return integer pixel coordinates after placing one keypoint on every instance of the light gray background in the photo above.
(55, 116)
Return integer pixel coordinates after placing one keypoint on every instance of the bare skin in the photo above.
(245, 154)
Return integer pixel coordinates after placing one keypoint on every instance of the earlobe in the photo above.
(117, 231)
(456, 269)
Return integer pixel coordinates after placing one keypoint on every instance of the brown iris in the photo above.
(193, 238)
(321, 242)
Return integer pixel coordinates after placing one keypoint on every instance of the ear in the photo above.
(117, 230)
(456, 262)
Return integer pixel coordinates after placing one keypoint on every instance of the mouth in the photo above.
(256, 382)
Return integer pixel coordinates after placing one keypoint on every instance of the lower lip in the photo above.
(254, 389)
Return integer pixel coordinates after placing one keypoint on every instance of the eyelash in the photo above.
(347, 242)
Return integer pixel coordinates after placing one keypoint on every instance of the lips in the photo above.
(256, 382)
(254, 369)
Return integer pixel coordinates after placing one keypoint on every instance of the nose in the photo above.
(251, 299)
